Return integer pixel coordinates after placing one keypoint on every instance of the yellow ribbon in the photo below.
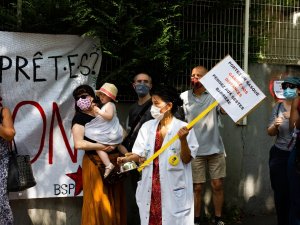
(189, 126)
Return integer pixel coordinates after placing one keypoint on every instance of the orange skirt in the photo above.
(102, 204)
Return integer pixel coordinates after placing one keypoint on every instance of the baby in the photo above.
(105, 127)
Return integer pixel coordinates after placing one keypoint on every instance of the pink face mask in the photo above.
(84, 104)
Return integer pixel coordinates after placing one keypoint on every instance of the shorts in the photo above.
(215, 163)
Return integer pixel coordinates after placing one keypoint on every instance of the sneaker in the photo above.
(219, 222)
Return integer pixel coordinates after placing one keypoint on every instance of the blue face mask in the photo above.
(142, 89)
(290, 93)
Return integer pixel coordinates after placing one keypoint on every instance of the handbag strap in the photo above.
(278, 107)
(138, 118)
(293, 136)
(15, 147)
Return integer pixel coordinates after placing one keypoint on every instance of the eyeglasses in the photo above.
(81, 96)
(288, 85)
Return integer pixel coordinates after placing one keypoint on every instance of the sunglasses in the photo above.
(288, 85)
(81, 96)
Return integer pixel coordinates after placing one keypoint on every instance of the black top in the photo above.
(82, 119)
(134, 111)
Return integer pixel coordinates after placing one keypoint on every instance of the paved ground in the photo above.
(253, 220)
(257, 220)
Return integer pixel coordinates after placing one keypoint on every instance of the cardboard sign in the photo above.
(278, 91)
(234, 90)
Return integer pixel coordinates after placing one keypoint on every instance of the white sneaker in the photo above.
(220, 223)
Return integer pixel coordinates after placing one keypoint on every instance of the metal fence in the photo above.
(216, 28)
(275, 31)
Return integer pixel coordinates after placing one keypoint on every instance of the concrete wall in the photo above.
(247, 184)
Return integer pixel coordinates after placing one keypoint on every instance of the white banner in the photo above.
(232, 88)
(38, 74)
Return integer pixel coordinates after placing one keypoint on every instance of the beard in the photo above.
(196, 84)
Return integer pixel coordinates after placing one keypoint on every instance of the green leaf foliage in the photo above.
(135, 35)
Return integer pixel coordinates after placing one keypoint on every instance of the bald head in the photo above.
(199, 70)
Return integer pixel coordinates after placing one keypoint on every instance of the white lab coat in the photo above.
(176, 183)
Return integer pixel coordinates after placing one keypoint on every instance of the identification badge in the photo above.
(174, 160)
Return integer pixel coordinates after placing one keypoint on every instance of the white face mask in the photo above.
(155, 112)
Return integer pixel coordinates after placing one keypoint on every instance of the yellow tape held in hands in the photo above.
(189, 126)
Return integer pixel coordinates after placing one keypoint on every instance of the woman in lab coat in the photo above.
(165, 193)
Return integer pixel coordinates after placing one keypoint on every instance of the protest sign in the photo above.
(278, 91)
(232, 88)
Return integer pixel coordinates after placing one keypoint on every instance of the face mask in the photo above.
(84, 104)
(290, 93)
(196, 83)
(142, 89)
(155, 112)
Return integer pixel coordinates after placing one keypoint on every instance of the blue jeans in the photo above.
(278, 162)
(294, 182)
